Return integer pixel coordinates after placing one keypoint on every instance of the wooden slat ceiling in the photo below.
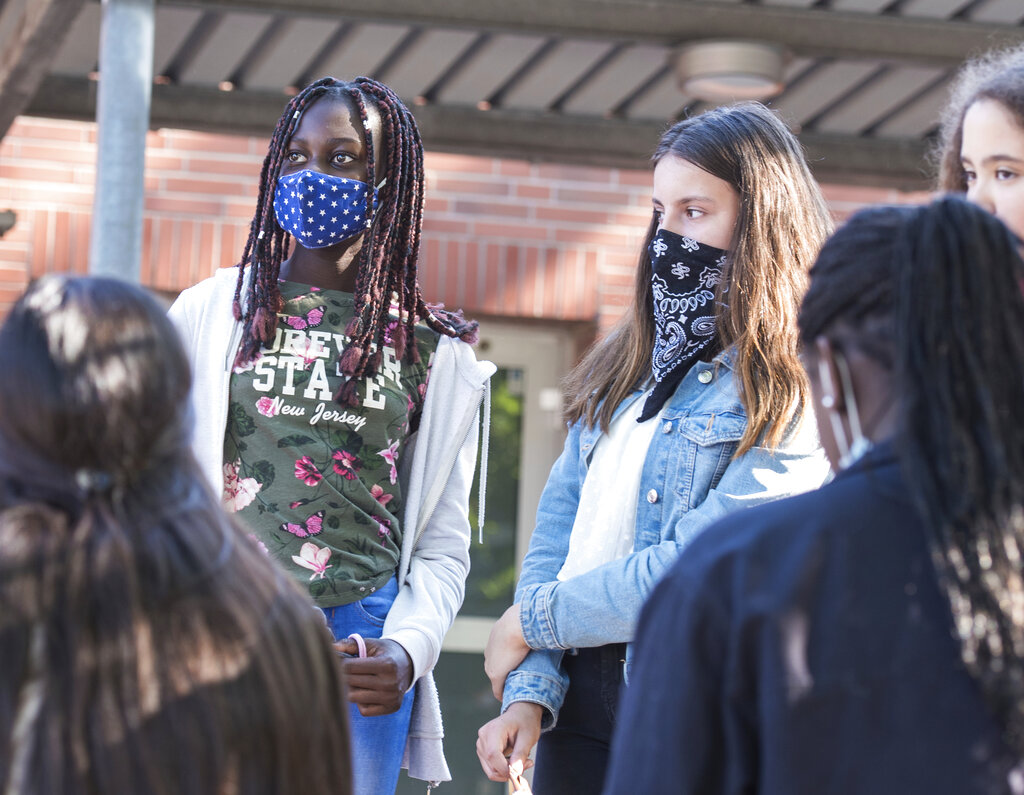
(580, 81)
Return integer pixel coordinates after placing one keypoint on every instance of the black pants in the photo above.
(572, 757)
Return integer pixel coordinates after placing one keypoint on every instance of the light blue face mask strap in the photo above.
(861, 444)
(838, 431)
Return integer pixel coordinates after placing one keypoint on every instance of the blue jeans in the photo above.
(379, 742)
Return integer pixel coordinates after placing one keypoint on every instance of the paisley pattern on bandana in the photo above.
(685, 275)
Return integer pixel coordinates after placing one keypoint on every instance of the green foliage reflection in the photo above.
(492, 575)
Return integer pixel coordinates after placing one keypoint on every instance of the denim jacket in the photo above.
(689, 480)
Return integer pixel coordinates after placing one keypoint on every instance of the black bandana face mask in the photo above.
(685, 275)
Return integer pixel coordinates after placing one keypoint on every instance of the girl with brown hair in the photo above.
(981, 141)
(693, 406)
(146, 645)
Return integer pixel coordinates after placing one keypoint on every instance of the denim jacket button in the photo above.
(704, 376)
(667, 428)
(652, 495)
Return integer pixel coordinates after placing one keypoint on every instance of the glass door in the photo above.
(526, 436)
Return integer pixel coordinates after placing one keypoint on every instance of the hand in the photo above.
(378, 682)
(506, 648)
(507, 740)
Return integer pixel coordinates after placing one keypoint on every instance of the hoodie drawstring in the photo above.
(484, 450)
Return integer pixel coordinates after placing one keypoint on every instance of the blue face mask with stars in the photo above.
(321, 210)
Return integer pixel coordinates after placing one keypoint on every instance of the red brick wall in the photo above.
(502, 238)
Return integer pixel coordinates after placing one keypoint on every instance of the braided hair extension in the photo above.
(940, 287)
(386, 264)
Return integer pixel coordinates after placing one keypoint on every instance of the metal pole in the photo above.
(122, 116)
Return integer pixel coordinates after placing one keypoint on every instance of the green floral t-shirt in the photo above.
(317, 483)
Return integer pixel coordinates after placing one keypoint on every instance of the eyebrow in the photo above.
(330, 141)
(687, 200)
(994, 159)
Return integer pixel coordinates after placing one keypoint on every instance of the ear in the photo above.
(828, 375)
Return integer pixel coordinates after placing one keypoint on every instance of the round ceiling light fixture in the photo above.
(718, 71)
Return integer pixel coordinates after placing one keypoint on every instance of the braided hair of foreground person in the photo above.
(933, 294)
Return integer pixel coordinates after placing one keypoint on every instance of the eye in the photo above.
(295, 157)
(340, 159)
(1004, 174)
(969, 176)
(694, 212)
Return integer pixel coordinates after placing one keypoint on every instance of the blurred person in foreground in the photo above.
(146, 644)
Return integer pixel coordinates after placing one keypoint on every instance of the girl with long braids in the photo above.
(314, 417)
(146, 645)
(867, 637)
(980, 149)
(693, 407)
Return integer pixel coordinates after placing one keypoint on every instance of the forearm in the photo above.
(602, 606)
(556, 512)
(596, 608)
(424, 610)
(539, 679)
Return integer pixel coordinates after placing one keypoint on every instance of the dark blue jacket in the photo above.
(804, 647)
